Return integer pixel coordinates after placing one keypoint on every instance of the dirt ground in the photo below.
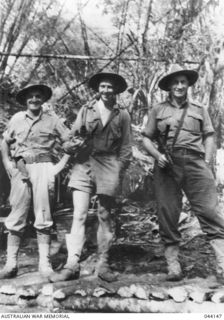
(136, 254)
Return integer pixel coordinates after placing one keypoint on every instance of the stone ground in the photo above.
(136, 256)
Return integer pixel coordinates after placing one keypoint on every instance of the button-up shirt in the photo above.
(197, 124)
(29, 137)
(113, 138)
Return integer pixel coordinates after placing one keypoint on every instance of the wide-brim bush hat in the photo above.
(120, 85)
(44, 89)
(174, 71)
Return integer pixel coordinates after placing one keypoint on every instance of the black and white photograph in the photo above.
(111, 158)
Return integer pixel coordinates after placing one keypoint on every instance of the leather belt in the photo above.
(36, 158)
(185, 151)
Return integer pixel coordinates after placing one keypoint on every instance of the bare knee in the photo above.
(79, 216)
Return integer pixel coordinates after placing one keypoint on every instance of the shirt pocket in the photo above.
(163, 121)
(20, 136)
(193, 122)
(20, 133)
(115, 131)
(91, 125)
(45, 135)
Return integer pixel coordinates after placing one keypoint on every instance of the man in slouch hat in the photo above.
(27, 147)
(185, 138)
(105, 125)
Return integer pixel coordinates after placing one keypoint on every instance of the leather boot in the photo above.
(43, 241)
(71, 269)
(218, 247)
(11, 268)
(173, 265)
(103, 271)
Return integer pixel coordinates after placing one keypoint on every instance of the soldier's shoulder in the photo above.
(197, 104)
(90, 104)
(161, 104)
(18, 116)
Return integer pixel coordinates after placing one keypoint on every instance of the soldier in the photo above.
(27, 156)
(186, 129)
(106, 126)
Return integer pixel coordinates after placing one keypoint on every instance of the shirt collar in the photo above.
(185, 103)
(93, 106)
(27, 115)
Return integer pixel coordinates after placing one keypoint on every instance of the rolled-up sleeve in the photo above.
(207, 123)
(9, 133)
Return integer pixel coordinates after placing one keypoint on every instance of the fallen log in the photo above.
(92, 304)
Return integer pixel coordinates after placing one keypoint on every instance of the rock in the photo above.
(26, 303)
(197, 295)
(26, 293)
(46, 301)
(8, 289)
(178, 294)
(159, 294)
(59, 295)
(99, 292)
(81, 292)
(218, 296)
(8, 299)
(125, 292)
(140, 291)
(47, 289)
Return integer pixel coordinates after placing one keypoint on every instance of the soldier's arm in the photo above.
(149, 133)
(61, 164)
(8, 164)
(63, 133)
(8, 139)
(209, 143)
(125, 152)
(208, 136)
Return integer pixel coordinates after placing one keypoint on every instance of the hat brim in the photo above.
(45, 90)
(165, 82)
(119, 82)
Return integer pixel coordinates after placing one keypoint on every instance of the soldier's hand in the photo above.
(162, 161)
(72, 146)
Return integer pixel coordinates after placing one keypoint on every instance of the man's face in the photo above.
(179, 87)
(34, 100)
(106, 90)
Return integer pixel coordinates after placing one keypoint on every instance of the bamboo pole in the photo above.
(83, 57)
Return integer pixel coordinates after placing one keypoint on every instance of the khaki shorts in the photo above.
(97, 175)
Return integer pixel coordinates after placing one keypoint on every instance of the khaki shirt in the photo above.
(33, 137)
(114, 137)
(197, 124)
